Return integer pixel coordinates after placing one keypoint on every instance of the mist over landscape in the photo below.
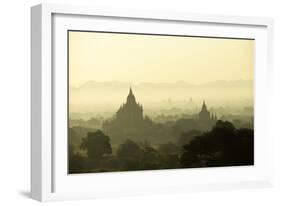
(104, 98)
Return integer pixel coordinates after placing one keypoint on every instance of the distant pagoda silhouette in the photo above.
(205, 119)
(129, 121)
(131, 112)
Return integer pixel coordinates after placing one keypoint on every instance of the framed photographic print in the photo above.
(137, 102)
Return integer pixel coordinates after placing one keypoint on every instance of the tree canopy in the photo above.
(97, 144)
(222, 146)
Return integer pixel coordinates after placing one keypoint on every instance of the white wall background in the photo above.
(15, 101)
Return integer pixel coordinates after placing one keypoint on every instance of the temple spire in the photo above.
(204, 107)
(131, 97)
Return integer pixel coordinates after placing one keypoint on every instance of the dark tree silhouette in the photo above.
(135, 156)
(97, 144)
(222, 146)
(183, 125)
(169, 155)
(150, 158)
(168, 148)
(186, 137)
(129, 149)
(76, 162)
(130, 155)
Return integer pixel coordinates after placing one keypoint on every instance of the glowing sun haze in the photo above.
(151, 58)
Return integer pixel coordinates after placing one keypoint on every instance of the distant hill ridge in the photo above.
(180, 84)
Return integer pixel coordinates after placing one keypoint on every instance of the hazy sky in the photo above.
(151, 58)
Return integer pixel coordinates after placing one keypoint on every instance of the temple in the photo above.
(205, 119)
(128, 122)
(131, 112)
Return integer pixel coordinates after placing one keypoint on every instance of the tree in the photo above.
(183, 125)
(186, 137)
(140, 156)
(168, 148)
(150, 157)
(129, 149)
(76, 162)
(222, 146)
(169, 155)
(130, 155)
(97, 144)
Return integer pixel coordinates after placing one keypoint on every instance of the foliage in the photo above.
(77, 163)
(129, 149)
(222, 146)
(97, 144)
(186, 137)
(168, 148)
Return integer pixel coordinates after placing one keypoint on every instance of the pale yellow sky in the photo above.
(151, 58)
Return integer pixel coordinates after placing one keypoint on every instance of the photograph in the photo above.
(143, 101)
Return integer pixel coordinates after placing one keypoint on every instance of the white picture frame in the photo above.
(49, 178)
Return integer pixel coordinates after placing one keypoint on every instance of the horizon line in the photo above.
(175, 82)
